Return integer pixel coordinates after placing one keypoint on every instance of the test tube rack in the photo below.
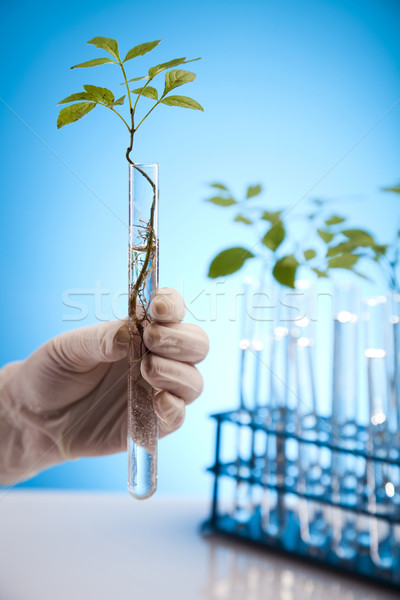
(252, 491)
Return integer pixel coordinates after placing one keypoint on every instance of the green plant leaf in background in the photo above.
(285, 269)
(342, 248)
(344, 261)
(182, 102)
(100, 94)
(253, 190)
(148, 91)
(107, 44)
(320, 273)
(219, 186)
(242, 219)
(309, 254)
(381, 248)
(141, 49)
(73, 113)
(395, 189)
(220, 201)
(359, 237)
(274, 236)
(229, 261)
(327, 236)
(272, 217)
(334, 220)
(94, 63)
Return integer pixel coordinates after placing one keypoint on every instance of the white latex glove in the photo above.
(69, 398)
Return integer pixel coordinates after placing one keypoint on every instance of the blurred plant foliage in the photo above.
(327, 242)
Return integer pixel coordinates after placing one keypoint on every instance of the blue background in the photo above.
(291, 91)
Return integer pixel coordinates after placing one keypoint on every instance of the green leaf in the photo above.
(74, 97)
(182, 102)
(141, 49)
(359, 237)
(94, 63)
(107, 44)
(325, 235)
(147, 91)
(309, 254)
(100, 94)
(253, 190)
(222, 201)
(274, 236)
(318, 201)
(153, 71)
(285, 269)
(344, 261)
(242, 219)
(334, 220)
(272, 217)
(320, 273)
(342, 248)
(177, 77)
(135, 79)
(380, 248)
(219, 186)
(228, 262)
(119, 101)
(73, 113)
(395, 189)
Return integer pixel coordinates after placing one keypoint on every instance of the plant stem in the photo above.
(153, 107)
(132, 113)
(144, 269)
(139, 95)
(129, 148)
(117, 113)
(127, 85)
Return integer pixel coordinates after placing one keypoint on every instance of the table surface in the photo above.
(74, 546)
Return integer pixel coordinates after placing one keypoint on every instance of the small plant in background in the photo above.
(327, 242)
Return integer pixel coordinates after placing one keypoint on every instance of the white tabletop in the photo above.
(74, 546)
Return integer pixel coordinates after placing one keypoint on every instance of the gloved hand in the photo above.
(69, 398)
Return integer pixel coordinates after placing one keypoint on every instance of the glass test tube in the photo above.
(394, 406)
(244, 435)
(143, 281)
(393, 351)
(313, 527)
(381, 487)
(345, 360)
(344, 418)
(246, 333)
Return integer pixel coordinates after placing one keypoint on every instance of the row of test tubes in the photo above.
(324, 386)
